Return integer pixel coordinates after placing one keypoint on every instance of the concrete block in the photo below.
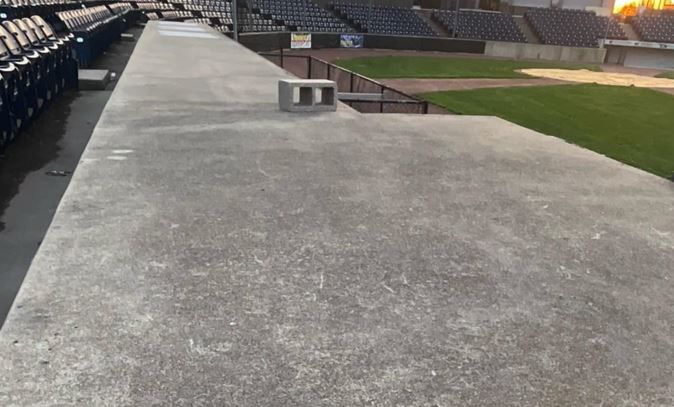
(128, 37)
(93, 79)
(307, 95)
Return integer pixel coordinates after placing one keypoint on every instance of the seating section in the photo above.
(154, 6)
(254, 22)
(35, 66)
(655, 28)
(383, 20)
(208, 21)
(575, 28)
(480, 25)
(12, 9)
(169, 15)
(299, 15)
(216, 13)
(94, 28)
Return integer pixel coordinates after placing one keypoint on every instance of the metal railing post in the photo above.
(235, 20)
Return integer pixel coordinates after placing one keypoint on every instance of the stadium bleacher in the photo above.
(42, 44)
(659, 28)
(379, 19)
(575, 28)
(299, 15)
(480, 25)
(36, 66)
(95, 28)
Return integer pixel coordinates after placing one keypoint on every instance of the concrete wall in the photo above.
(544, 52)
(647, 58)
(273, 41)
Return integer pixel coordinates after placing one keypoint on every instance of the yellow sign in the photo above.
(300, 40)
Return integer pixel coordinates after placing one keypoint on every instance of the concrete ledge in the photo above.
(93, 79)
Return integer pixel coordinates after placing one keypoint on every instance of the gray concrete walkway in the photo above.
(212, 250)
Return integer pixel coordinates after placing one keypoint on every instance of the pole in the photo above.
(369, 17)
(235, 20)
(456, 19)
(608, 24)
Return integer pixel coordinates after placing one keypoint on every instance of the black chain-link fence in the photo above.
(375, 97)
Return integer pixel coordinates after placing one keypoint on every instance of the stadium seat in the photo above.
(383, 19)
(94, 29)
(575, 28)
(297, 15)
(15, 88)
(480, 25)
(657, 28)
(33, 68)
(50, 63)
(67, 69)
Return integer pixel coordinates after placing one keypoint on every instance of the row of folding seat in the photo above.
(480, 25)
(656, 28)
(154, 6)
(303, 15)
(170, 15)
(35, 66)
(94, 28)
(12, 9)
(382, 19)
(576, 28)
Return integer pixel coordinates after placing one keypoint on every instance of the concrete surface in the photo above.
(212, 250)
(93, 79)
(28, 196)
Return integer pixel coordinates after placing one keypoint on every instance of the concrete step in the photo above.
(629, 31)
(526, 29)
(93, 79)
(438, 28)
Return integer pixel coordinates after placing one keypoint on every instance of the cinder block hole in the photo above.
(325, 96)
(303, 96)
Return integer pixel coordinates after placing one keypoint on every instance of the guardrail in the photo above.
(390, 101)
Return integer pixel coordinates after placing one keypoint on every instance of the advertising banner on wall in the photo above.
(351, 40)
(300, 40)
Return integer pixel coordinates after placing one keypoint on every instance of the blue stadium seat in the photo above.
(32, 75)
(94, 30)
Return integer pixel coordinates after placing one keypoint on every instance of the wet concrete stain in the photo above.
(33, 149)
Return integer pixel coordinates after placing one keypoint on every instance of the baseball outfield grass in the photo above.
(439, 67)
(632, 125)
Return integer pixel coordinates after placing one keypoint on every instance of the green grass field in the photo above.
(668, 74)
(433, 67)
(632, 125)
